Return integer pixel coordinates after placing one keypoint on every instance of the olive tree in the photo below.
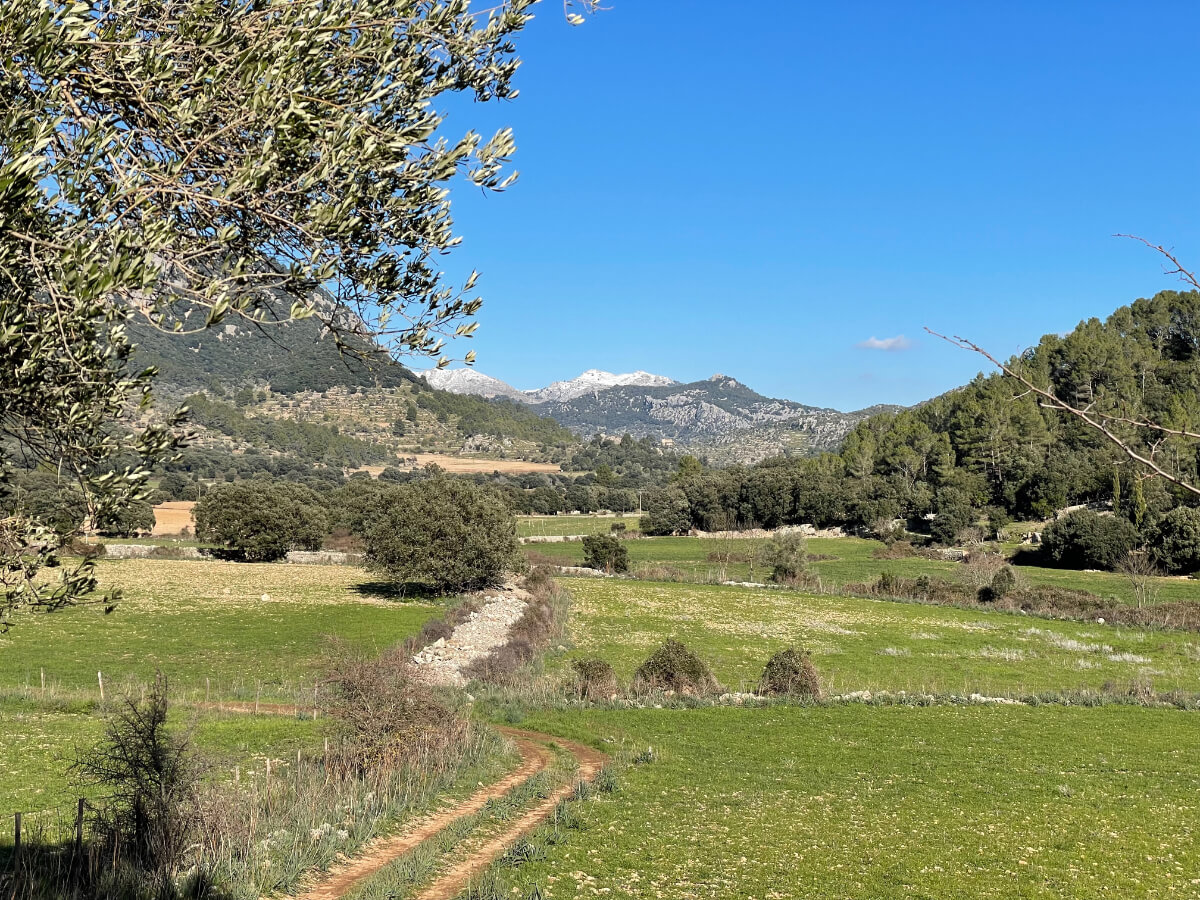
(186, 162)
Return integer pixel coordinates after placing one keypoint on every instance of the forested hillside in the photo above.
(287, 388)
(989, 448)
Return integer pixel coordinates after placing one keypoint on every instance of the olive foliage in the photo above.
(177, 164)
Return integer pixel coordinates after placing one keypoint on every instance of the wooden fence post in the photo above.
(16, 834)
(79, 828)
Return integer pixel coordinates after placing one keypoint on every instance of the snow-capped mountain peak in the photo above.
(469, 381)
(472, 381)
(594, 380)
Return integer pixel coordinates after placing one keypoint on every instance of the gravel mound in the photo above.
(443, 661)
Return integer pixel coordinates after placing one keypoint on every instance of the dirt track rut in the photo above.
(536, 756)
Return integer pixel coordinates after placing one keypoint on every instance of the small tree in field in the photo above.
(602, 551)
(150, 775)
(446, 534)
(262, 521)
(1142, 571)
(787, 556)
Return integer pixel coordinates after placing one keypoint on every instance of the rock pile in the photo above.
(443, 661)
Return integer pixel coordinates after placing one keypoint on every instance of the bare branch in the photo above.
(1097, 421)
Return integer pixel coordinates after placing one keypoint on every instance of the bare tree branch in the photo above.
(1097, 421)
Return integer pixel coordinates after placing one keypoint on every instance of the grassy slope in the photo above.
(871, 644)
(861, 802)
(203, 619)
(853, 563)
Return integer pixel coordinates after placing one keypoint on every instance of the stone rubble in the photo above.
(443, 661)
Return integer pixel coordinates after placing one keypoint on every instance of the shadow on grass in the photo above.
(395, 593)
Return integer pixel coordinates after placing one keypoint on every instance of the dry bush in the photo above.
(150, 777)
(895, 550)
(77, 546)
(658, 572)
(386, 718)
(803, 581)
(543, 622)
(1142, 571)
(673, 667)
(594, 679)
(978, 569)
(341, 540)
(791, 673)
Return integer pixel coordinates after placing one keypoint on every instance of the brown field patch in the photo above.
(173, 517)
(470, 465)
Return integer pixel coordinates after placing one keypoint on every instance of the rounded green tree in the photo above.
(260, 521)
(444, 534)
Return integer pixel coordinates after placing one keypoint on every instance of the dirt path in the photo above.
(536, 756)
(453, 881)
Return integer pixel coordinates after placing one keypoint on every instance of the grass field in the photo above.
(242, 626)
(39, 740)
(852, 562)
(871, 644)
(859, 802)
(545, 526)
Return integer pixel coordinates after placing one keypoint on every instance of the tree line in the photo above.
(986, 454)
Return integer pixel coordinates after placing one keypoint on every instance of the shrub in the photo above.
(260, 521)
(792, 673)
(601, 551)
(1004, 583)
(979, 569)
(386, 719)
(594, 679)
(149, 775)
(1086, 540)
(786, 556)
(1177, 540)
(673, 667)
(446, 534)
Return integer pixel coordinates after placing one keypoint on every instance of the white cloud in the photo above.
(899, 342)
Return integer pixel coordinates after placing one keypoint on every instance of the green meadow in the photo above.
(855, 801)
(850, 560)
(859, 644)
(221, 628)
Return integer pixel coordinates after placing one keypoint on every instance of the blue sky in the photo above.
(761, 189)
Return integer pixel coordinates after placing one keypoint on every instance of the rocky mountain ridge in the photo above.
(719, 416)
(471, 381)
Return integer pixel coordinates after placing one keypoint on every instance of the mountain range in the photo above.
(719, 416)
(292, 371)
(470, 381)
